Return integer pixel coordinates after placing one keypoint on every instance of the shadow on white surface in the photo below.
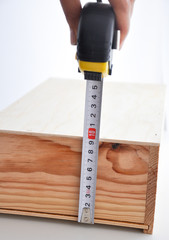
(20, 227)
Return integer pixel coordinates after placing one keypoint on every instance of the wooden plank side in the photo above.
(130, 112)
(72, 218)
(41, 174)
(151, 189)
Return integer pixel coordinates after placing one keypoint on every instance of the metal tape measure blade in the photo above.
(90, 151)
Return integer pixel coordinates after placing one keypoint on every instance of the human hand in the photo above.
(122, 9)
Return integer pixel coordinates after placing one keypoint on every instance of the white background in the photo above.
(34, 45)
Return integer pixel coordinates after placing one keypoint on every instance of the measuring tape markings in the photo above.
(90, 151)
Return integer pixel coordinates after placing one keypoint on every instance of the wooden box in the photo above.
(40, 152)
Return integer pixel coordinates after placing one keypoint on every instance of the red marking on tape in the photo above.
(88, 191)
(91, 133)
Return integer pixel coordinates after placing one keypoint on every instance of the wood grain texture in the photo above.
(130, 112)
(40, 173)
(151, 189)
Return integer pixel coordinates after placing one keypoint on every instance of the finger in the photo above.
(72, 11)
(132, 6)
(123, 10)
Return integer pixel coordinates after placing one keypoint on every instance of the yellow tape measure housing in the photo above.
(100, 67)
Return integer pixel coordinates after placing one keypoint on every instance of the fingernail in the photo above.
(73, 39)
(121, 44)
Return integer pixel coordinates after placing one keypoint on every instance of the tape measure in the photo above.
(90, 151)
(95, 41)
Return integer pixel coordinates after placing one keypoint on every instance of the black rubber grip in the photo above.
(95, 32)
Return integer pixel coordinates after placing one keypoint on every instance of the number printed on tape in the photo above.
(91, 133)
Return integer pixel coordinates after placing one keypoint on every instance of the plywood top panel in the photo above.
(130, 112)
